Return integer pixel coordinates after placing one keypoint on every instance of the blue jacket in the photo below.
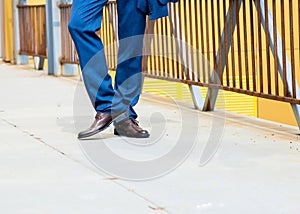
(154, 8)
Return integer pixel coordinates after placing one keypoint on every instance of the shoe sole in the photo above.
(117, 134)
(83, 136)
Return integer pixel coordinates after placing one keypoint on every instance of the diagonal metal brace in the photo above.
(212, 93)
(295, 107)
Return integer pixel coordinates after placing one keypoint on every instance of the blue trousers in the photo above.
(86, 17)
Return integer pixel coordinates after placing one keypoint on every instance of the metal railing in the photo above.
(32, 25)
(236, 46)
(107, 33)
(69, 54)
(244, 46)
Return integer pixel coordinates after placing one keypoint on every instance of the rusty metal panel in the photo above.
(32, 24)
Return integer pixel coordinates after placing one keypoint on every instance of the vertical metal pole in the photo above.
(68, 69)
(1, 28)
(50, 42)
(18, 59)
(53, 37)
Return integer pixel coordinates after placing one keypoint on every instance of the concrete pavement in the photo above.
(44, 170)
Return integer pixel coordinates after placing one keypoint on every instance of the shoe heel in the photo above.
(115, 132)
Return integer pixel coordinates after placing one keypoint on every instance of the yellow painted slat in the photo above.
(234, 102)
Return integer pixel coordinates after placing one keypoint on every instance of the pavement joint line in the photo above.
(153, 205)
(256, 123)
(92, 169)
(39, 139)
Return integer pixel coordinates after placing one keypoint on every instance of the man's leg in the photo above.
(85, 20)
(86, 17)
(128, 81)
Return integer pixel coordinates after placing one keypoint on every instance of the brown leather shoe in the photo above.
(102, 121)
(130, 128)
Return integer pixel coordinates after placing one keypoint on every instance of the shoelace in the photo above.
(135, 121)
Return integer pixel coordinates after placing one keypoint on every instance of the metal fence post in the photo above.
(18, 59)
(1, 29)
(53, 37)
(69, 69)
